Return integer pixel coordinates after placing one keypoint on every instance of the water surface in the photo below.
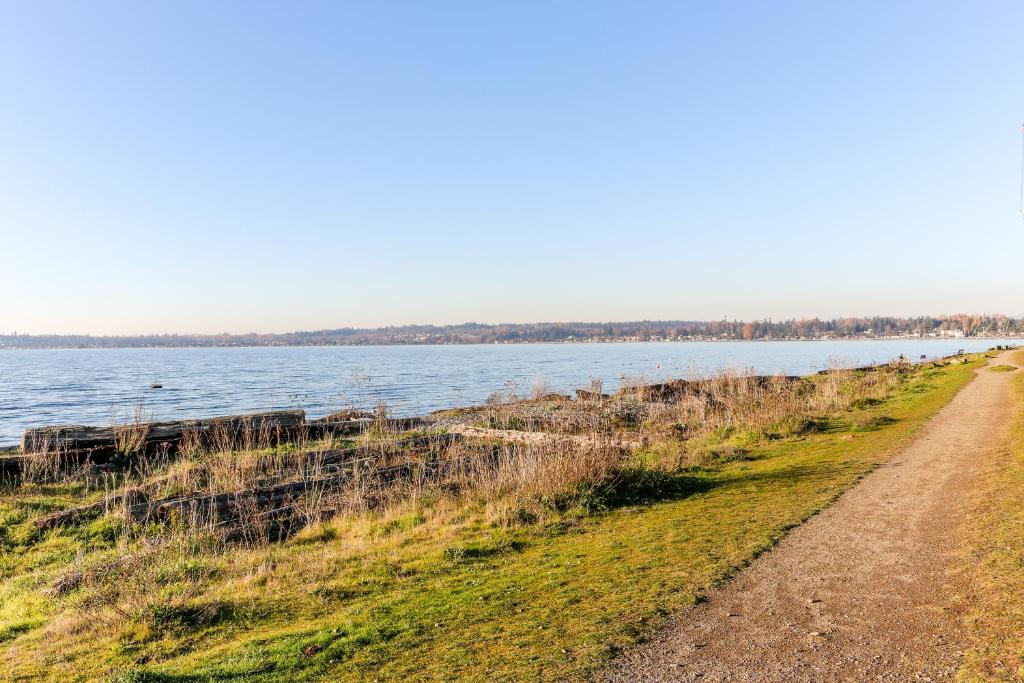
(93, 386)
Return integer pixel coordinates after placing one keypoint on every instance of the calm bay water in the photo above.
(93, 386)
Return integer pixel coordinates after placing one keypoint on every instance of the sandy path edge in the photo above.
(869, 589)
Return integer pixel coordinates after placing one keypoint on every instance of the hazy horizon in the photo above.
(625, 321)
(451, 323)
(215, 168)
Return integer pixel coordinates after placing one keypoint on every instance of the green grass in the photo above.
(1003, 368)
(448, 595)
(994, 533)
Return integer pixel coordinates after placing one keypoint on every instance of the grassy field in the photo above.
(995, 532)
(436, 588)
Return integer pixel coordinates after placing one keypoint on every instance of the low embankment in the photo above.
(467, 547)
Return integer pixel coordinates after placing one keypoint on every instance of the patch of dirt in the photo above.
(870, 589)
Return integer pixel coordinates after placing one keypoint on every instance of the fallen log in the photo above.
(228, 508)
(334, 460)
(679, 388)
(271, 508)
(340, 456)
(274, 424)
(588, 395)
(318, 428)
(224, 507)
(538, 438)
(60, 458)
(85, 512)
(12, 464)
(345, 416)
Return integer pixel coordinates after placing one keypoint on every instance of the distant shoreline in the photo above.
(958, 326)
(580, 342)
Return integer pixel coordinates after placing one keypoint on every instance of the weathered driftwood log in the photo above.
(81, 513)
(335, 463)
(53, 463)
(274, 508)
(539, 438)
(79, 437)
(661, 391)
(679, 388)
(343, 456)
(323, 427)
(12, 464)
(136, 501)
(228, 508)
(588, 395)
(345, 416)
(224, 507)
(63, 457)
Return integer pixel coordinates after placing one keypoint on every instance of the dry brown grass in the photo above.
(223, 487)
(693, 410)
(130, 431)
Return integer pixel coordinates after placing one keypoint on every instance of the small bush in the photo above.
(798, 425)
(864, 402)
(870, 424)
(730, 454)
(641, 485)
(401, 523)
(190, 569)
(512, 422)
(103, 530)
(12, 631)
(315, 533)
(136, 675)
(478, 551)
(22, 534)
(628, 413)
(329, 594)
(188, 616)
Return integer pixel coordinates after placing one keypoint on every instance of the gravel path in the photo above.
(871, 589)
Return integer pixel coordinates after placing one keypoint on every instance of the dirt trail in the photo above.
(870, 589)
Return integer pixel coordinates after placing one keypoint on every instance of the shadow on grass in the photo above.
(786, 474)
(833, 425)
(147, 676)
(640, 486)
(191, 617)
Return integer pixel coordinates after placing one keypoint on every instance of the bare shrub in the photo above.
(540, 388)
(131, 430)
(133, 583)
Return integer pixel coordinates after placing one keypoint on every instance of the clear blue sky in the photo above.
(204, 167)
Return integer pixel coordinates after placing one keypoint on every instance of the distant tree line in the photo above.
(477, 333)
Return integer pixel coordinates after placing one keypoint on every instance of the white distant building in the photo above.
(951, 333)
